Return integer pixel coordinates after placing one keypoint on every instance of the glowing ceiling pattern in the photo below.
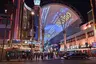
(55, 18)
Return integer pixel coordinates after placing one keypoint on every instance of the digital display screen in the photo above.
(55, 18)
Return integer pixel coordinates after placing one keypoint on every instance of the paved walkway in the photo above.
(24, 60)
(53, 62)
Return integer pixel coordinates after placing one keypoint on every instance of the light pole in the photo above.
(64, 30)
(4, 37)
(37, 10)
(43, 31)
(32, 28)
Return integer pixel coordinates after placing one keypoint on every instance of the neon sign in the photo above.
(64, 18)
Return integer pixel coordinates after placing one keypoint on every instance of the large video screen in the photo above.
(55, 18)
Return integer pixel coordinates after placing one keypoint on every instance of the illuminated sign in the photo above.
(64, 18)
(55, 18)
(36, 2)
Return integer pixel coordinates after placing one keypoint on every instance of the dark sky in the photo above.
(2, 5)
(83, 6)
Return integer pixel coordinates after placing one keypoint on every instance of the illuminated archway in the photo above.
(51, 16)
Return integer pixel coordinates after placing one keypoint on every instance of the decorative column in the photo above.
(87, 43)
(12, 27)
(76, 42)
(39, 26)
(37, 11)
(43, 39)
(64, 32)
(21, 20)
(32, 28)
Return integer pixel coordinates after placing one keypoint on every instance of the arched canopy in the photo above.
(55, 18)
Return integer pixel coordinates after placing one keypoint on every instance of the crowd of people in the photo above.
(33, 56)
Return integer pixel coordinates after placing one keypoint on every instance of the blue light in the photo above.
(48, 27)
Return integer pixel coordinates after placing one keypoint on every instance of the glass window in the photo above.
(90, 34)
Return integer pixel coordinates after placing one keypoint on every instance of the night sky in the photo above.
(83, 6)
(2, 6)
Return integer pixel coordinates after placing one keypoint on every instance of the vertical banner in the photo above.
(36, 22)
(36, 19)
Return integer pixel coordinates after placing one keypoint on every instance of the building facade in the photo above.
(11, 17)
(82, 39)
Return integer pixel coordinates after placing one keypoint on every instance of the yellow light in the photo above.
(85, 28)
(89, 26)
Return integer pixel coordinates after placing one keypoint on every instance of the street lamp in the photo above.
(5, 11)
(64, 29)
(32, 28)
(32, 13)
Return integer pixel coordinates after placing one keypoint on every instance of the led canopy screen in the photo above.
(55, 18)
